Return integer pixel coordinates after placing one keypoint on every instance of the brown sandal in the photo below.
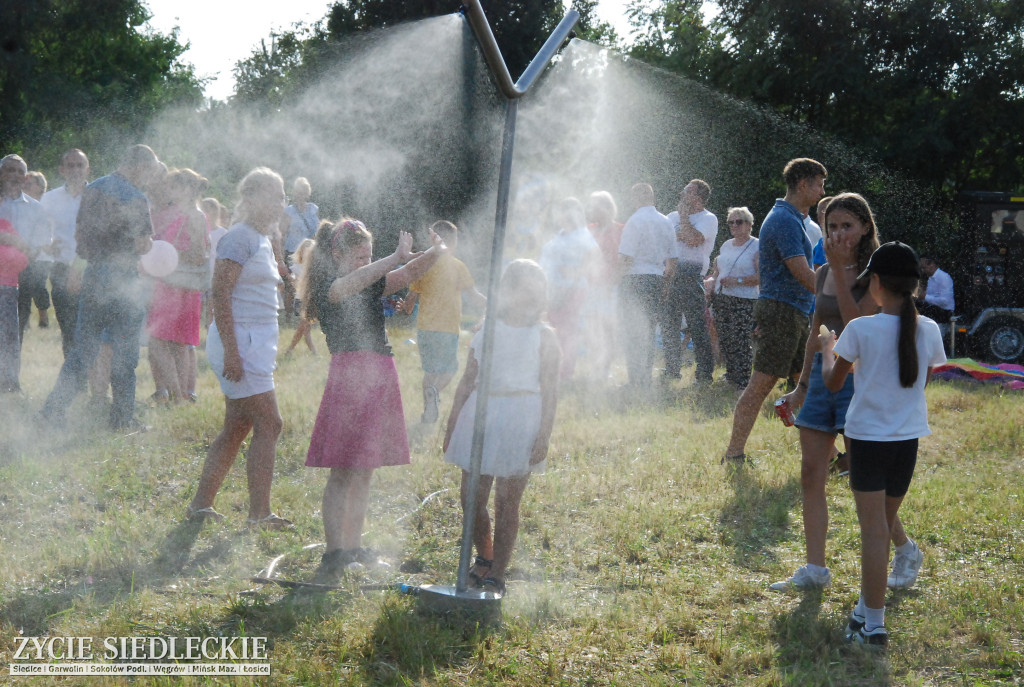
(478, 579)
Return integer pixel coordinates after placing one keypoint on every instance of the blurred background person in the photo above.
(300, 262)
(696, 230)
(61, 205)
(30, 221)
(570, 261)
(935, 296)
(114, 228)
(13, 260)
(301, 219)
(647, 263)
(439, 293)
(35, 185)
(601, 324)
(174, 312)
(733, 288)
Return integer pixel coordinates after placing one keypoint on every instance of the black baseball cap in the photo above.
(893, 259)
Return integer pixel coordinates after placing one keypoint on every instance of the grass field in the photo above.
(641, 560)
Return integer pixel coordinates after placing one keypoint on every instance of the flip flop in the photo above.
(272, 522)
(203, 514)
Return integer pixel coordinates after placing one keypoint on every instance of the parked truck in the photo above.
(988, 277)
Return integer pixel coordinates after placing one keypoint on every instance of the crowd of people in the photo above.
(798, 302)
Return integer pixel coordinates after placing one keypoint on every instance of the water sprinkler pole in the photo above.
(512, 91)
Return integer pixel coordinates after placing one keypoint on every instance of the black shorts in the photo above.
(882, 465)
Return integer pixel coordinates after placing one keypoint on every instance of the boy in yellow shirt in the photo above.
(439, 293)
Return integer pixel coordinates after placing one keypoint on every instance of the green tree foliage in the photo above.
(83, 73)
(520, 26)
(277, 69)
(590, 28)
(675, 36)
(935, 88)
(295, 59)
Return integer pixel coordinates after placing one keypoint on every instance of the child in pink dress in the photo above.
(175, 313)
(13, 260)
(361, 424)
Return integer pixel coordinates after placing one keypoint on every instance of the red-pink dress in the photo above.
(174, 314)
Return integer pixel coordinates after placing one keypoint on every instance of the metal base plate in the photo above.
(446, 599)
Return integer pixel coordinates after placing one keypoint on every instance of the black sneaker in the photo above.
(877, 638)
(334, 564)
(130, 426)
(855, 625)
(370, 558)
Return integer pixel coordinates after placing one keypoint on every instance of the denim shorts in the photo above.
(439, 351)
(823, 410)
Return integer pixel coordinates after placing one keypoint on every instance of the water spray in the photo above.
(442, 598)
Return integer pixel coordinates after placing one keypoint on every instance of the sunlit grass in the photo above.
(641, 559)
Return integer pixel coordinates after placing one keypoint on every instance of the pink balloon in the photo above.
(161, 260)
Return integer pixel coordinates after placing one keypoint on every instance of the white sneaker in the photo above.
(803, 580)
(905, 568)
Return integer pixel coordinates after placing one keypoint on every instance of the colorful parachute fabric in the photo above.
(1010, 376)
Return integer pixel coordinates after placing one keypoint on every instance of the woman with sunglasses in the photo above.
(733, 289)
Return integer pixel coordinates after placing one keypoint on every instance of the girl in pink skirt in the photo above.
(361, 425)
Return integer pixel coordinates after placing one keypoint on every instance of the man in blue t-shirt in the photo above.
(786, 298)
(113, 228)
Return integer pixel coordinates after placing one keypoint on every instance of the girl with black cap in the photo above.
(887, 416)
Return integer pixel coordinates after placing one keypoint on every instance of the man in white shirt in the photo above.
(695, 231)
(938, 302)
(61, 205)
(647, 263)
(30, 221)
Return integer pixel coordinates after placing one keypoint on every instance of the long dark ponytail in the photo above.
(907, 344)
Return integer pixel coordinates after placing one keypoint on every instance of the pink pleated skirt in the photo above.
(360, 424)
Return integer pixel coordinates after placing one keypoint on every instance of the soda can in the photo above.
(784, 412)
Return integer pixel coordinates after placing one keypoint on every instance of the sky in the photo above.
(222, 32)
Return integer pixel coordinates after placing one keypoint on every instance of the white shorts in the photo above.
(257, 346)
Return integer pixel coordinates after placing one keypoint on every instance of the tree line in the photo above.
(929, 88)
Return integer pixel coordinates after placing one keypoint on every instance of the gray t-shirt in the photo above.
(254, 298)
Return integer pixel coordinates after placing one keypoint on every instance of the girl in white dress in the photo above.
(520, 416)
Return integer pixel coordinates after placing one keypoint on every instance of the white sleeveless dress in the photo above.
(513, 409)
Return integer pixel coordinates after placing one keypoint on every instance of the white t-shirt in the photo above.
(62, 209)
(881, 409)
(31, 222)
(738, 261)
(812, 230)
(648, 238)
(707, 224)
(569, 259)
(215, 235)
(940, 291)
(254, 298)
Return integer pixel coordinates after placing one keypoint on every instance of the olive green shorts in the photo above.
(780, 338)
